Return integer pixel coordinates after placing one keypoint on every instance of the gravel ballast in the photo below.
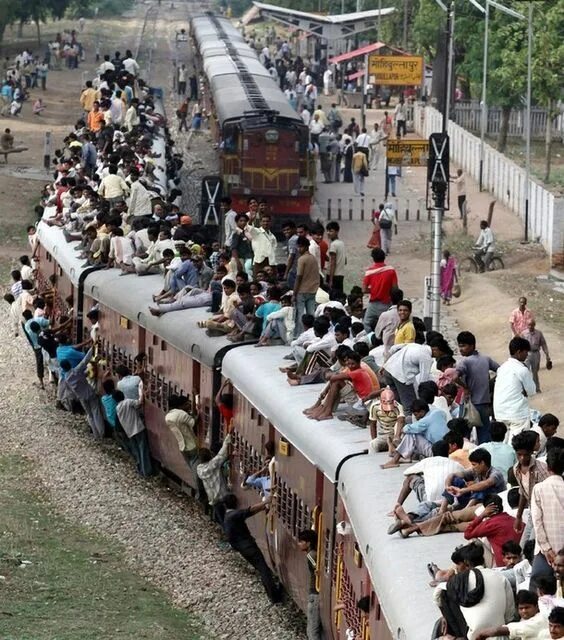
(167, 539)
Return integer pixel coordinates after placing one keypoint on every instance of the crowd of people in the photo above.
(462, 422)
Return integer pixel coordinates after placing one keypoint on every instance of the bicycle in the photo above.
(471, 265)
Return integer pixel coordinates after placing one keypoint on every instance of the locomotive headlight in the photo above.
(271, 136)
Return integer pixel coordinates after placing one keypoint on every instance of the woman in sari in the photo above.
(449, 276)
(374, 241)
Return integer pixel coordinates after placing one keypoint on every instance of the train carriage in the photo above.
(309, 456)
(264, 144)
(180, 358)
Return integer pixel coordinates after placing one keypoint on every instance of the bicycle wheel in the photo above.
(468, 265)
(496, 264)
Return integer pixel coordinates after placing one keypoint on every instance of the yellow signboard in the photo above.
(396, 70)
(407, 153)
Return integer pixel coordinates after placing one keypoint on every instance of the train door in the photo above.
(355, 606)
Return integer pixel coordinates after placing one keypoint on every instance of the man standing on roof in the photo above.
(379, 281)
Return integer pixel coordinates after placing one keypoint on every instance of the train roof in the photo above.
(398, 567)
(254, 372)
(131, 297)
(63, 252)
(239, 83)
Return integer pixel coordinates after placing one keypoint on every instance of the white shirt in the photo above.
(528, 629)
(486, 240)
(435, 471)
(229, 226)
(306, 117)
(509, 403)
(263, 243)
(304, 338)
(411, 364)
(140, 200)
(325, 343)
(363, 140)
(495, 609)
(131, 66)
(316, 127)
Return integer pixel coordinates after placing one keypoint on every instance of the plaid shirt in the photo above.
(538, 471)
(211, 474)
(547, 510)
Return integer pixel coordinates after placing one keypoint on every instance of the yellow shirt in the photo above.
(405, 333)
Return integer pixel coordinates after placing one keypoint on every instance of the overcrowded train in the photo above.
(263, 141)
(325, 479)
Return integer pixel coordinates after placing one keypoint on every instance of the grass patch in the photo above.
(76, 585)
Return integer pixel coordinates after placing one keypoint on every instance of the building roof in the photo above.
(366, 50)
(342, 18)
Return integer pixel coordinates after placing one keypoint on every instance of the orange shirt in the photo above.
(95, 119)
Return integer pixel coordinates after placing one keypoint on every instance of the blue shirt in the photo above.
(31, 335)
(109, 405)
(129, 386)
(66, 352)
(432, 426)
(185, 276)
(265, 310)
(503, 456)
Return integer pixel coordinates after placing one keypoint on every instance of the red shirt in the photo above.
(361, 382)
(498, 529)
(379, 279)
(323, 249)
(226, 412)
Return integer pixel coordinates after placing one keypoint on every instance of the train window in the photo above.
(150, 355)
(163, 345)
(155, 340)
(349, 599)
(253, 413)
(206, 421)
(230, 142)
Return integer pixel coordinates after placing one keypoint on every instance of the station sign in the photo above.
(407, 153)
(396, 70)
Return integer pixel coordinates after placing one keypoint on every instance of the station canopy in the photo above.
(328, 27)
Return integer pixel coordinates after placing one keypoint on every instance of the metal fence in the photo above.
(360, 209)
(468, 115)
(503, 178)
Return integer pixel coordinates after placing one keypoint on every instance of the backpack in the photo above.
(384, 221)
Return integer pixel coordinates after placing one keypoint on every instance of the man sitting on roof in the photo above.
(353, 383)
(222, 322)
(418, 437)
(192, 297)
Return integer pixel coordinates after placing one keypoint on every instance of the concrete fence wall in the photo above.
(504, 179)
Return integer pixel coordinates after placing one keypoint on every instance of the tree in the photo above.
(548, 66)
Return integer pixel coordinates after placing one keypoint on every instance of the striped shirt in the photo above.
(547, 510)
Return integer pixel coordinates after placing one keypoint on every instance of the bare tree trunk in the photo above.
(503, 129)
(548, 143)
(20, 28)
(38, 27)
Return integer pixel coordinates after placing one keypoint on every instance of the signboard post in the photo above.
(400, 71)
(405, 153)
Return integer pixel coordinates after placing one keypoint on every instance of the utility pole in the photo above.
(484, 105)
(438, 174)
(528, 128)
(364, 93)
